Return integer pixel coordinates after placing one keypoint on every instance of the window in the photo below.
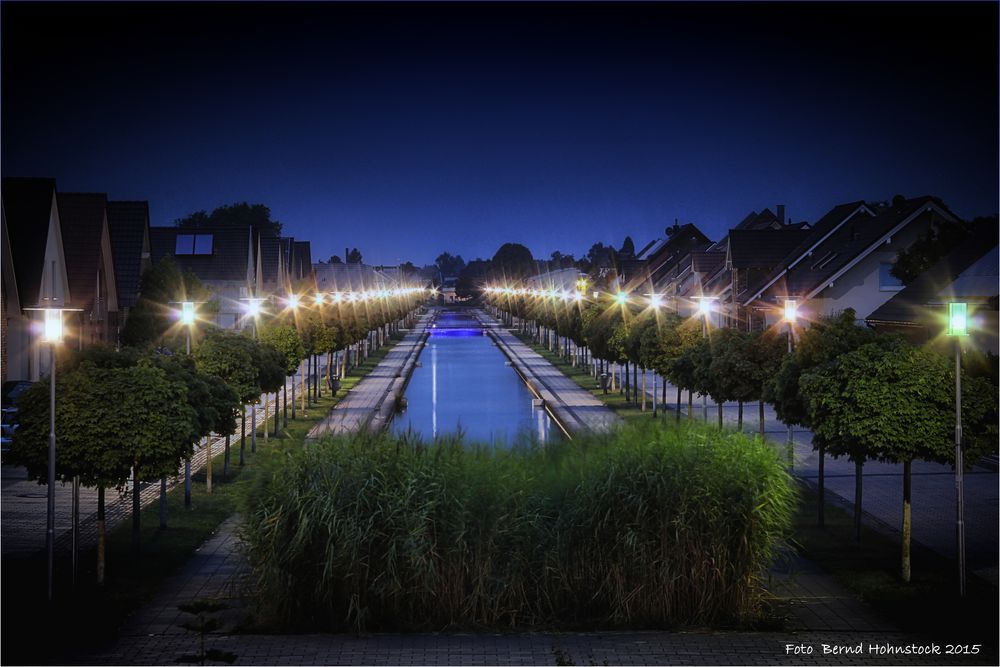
(887, 281)
(193, 244)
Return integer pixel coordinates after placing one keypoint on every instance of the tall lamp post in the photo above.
(958, 326)
(791, 313)
(253, 305)
(705, 304)
(187, 318)
(293, 303)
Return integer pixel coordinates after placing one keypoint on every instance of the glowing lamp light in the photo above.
(253, 307)
(187, 313)
(791, 310)
(293, 301)
(53, 332)
(337, 297)
(958, 319)
(705, 305)
(581, 285)
(597, 294)
(564, 296)
(655, 300)
(621, 298)
(578, 297)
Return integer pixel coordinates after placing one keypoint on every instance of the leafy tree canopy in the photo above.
(513, 261)
(354, 257)
(449, 265)
(285, 339)
(153, 320)
(231, 357)
(257, 216)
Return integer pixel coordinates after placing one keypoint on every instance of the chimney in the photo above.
(781, 213)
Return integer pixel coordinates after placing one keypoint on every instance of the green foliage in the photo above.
(935, 243)
(897, 403)
(643, 528)
(512, 261)
(239, 214)
(153, 320)
(732, 366)
(107, 421)
(271, 365)
(231, 357)
(285, 339)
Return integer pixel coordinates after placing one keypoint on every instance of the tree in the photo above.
(732, 367)
(231, 357)
(628, 248)
(113, 424)
(285, 339)
(676, 335)
(895, 402)
(939, 240)
(821, 343)
(512, 262)
(449, 265)
(767, 351)
(239, 214)
(335, 259)
(354, 257)
(271, 365)
(153, 319)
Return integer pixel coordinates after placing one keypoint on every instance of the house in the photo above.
(223, 258)
(90, 267)
(846, 260)
(300, 266)
(272, 260)
(970, 273)
(128, 224)
(34, 272)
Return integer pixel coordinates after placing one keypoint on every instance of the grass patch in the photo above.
(929, 604)
(647, 527)
(91, 616)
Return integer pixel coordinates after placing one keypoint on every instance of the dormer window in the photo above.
(193, 244)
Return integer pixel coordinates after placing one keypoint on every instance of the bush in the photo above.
(647, 527)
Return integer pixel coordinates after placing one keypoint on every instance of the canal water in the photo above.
(464, 384)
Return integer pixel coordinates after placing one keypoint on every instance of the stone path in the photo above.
(372, 398)
(576, 409)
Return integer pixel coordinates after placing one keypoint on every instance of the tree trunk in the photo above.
(284, 401)
(739, 416)
(677, 417)
(821, 488)
(858, 481)
(208, 463)
(690, 406)
(225, 460)
(761, 404)
(304, 365)
(243, 434)
(644, 390)
(294, 382)
(267, 425)
(136, 506)
(276, 414)
(635, 382)
(907, 528)
(101, 536)
(163, 502)
(654, 394)
(719, 404)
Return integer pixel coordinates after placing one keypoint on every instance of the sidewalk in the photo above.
(364, 402)
(573, 407)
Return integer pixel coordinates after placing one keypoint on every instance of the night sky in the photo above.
(410, 129)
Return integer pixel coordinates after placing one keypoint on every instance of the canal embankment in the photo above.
(572, 407)
(371, 404)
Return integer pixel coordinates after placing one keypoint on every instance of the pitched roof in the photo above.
(230, 251)
(270, 253)
(763, 248)
(81, 216)
(128, 222)
(27, 205)
(301, 264)
(973, 258)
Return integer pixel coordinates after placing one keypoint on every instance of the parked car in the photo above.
(11, 390)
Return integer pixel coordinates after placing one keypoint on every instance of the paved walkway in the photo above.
(822, 613)
(24, 501)
(369, 403)
(576, 409)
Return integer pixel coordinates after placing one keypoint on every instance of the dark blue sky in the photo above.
(406, 130)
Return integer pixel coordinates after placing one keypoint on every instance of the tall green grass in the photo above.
(646, 527)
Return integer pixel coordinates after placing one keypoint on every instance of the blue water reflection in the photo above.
(463, 383)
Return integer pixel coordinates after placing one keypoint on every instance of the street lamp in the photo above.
(705, 305)
(620, 298)
(791, 313)
(655, 300)
(187, 319)
(958, 326)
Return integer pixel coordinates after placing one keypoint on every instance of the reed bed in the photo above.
(650, 526)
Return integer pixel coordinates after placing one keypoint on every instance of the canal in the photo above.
(463, 383)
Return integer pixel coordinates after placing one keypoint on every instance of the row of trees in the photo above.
(137, 414)
(864, 396)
